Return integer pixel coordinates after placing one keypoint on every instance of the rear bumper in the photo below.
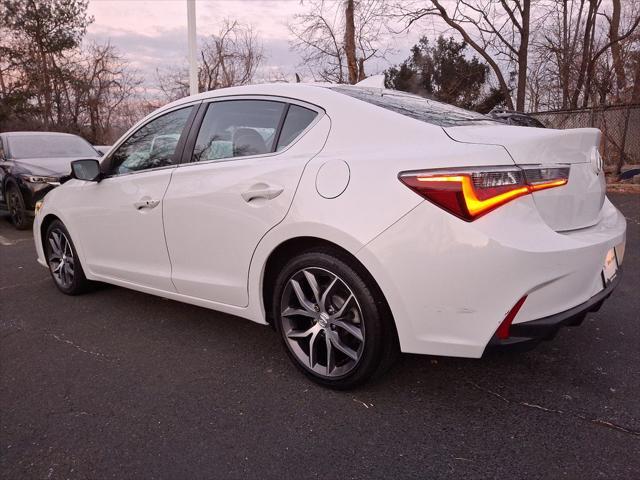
(450, 283)
(525, 336)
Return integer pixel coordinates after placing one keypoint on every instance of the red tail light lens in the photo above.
(503, 330)
(469, 193)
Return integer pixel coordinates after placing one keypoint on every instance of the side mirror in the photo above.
(88, 170)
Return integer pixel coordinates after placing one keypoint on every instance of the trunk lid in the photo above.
(572, 206)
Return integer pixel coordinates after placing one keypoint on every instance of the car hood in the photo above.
(47, 166)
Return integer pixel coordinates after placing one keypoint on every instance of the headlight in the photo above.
(40, 179)
(38, 206)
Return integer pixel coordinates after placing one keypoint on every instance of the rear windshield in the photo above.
(414, 106)
(49, 146)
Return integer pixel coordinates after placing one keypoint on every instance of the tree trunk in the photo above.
(523, 53)
(350, 42)
(616, 50)
(44, 85)
(564, 68)
(361, 74)
(623, 142)
(635, 93)
(591, 68)
(635, 98)
(586, 51)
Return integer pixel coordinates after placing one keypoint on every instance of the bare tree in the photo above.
(230, 58)
(227, 59)
(337, 37)
(105, 84)
(557, 48)
(499, 30)
(586, 44)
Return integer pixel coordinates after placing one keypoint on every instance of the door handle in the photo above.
(146, 204)
(261, 190)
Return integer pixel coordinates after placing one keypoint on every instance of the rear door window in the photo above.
(298, 119)
(238, 128)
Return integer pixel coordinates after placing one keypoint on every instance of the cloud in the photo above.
(152, 35)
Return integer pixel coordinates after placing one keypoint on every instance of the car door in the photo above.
(119, 219)
(246, 160)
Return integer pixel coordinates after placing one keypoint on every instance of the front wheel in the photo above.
(63, 261)
(333, 323)
(17, 208)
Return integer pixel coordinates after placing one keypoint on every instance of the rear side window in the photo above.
(238, 128)
(298, 118)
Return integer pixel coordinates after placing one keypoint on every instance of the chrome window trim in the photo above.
(127, 174)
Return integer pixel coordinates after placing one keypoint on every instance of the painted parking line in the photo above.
(7, 242)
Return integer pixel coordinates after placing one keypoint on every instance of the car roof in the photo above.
(27, 134)
(316, 92)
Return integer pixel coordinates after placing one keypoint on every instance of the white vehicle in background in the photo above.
(357, 221)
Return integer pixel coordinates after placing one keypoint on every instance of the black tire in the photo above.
(62, 258)
(367, 311)
(17, 209)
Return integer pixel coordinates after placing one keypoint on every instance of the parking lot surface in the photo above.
(119, 384)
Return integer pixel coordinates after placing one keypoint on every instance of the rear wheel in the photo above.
(16, 206)
(63, 261)
(334, 328)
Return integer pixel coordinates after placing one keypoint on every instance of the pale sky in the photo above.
(153, 34)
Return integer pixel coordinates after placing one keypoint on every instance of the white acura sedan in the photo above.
(356, 221)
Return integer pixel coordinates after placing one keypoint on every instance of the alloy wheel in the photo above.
(322, 322)
(61, 259)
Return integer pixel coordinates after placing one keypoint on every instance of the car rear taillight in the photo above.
(471, 193)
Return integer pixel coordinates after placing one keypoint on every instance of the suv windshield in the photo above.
(414, 106)
(49, 146)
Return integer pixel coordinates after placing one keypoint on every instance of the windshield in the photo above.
(49, 146)
(414, 106)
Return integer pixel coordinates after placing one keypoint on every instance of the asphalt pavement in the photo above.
(119, 384)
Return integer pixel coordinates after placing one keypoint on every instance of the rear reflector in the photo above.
(471, 193)
(503, 330)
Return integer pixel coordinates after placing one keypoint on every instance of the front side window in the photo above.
(238, 128)
(152, 146)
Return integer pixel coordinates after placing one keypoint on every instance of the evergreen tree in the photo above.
(443, 72)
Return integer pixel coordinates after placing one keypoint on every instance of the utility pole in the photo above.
(193, 46)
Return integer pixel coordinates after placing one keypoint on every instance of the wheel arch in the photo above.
(48, 219)
(7, 180)
(297, 245)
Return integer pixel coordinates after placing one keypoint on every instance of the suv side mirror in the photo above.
(88, 170)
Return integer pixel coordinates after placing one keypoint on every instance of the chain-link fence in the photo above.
(620, 126)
